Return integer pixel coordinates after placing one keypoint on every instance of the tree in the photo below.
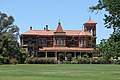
(110, 47)
(112, 19)
(8, 36)
(22, 55)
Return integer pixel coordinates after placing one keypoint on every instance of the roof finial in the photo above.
(89, 17)
(82, 27)
(59, 22)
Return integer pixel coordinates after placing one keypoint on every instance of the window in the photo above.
(89, 42)
(60, 42)
(84, 42)
(81, 42)
(29, 41)
(94, 32)
(25, 41)
(39, 41)
(44, 41)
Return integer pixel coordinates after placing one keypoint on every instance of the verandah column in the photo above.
(92, 55)
(75, 54)
(65, 56)
(45, 54)
(55, 55)
(80, 54)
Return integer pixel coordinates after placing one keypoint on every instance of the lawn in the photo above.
(59, 72)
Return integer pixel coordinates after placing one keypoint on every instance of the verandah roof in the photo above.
(65, 49)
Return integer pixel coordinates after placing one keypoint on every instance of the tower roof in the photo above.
(90, 21)
(59, 28)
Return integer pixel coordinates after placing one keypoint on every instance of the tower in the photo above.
(90, 26)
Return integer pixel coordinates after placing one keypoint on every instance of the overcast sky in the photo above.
(37, 13)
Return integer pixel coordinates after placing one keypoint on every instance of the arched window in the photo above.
(73, 41)
(29, 41)
(44, 41)
(81, 42)
(94, 32)
(39, 41)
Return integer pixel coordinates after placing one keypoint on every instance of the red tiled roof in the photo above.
(83, 33)
(65, 49)
(59, 28)
(39, 32)
(51, 32)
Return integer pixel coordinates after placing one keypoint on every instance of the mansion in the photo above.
(50, 43)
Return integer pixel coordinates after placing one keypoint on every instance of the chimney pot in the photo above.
(31, 28)
(46, 27)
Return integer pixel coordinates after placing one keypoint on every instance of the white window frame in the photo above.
(81, 42)
(60, 41)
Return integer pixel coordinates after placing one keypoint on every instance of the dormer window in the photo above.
(60, 41)
(81, 42)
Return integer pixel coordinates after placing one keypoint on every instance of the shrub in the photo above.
(85, 56)
(0, 63)
(74, 61)
(83, 61)
(113, 61)
(13, 61)
(69, 57)
(118, 62)
(30, 61)
(1, 59)
(22, 58)
(91, 61)
(61, 57)
(98, 61)
(6, 60)
(40, 61)
(67, 62)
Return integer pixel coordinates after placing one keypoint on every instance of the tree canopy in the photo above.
(110, 47)
(8, 35)
(112, 19)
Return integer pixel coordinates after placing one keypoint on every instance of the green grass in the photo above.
(60, 72)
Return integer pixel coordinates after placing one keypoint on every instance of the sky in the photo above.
(38, 13)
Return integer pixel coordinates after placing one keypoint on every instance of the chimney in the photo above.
(31, 28)
(46, 27)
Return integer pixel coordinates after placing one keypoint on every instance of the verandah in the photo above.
(55, 54)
